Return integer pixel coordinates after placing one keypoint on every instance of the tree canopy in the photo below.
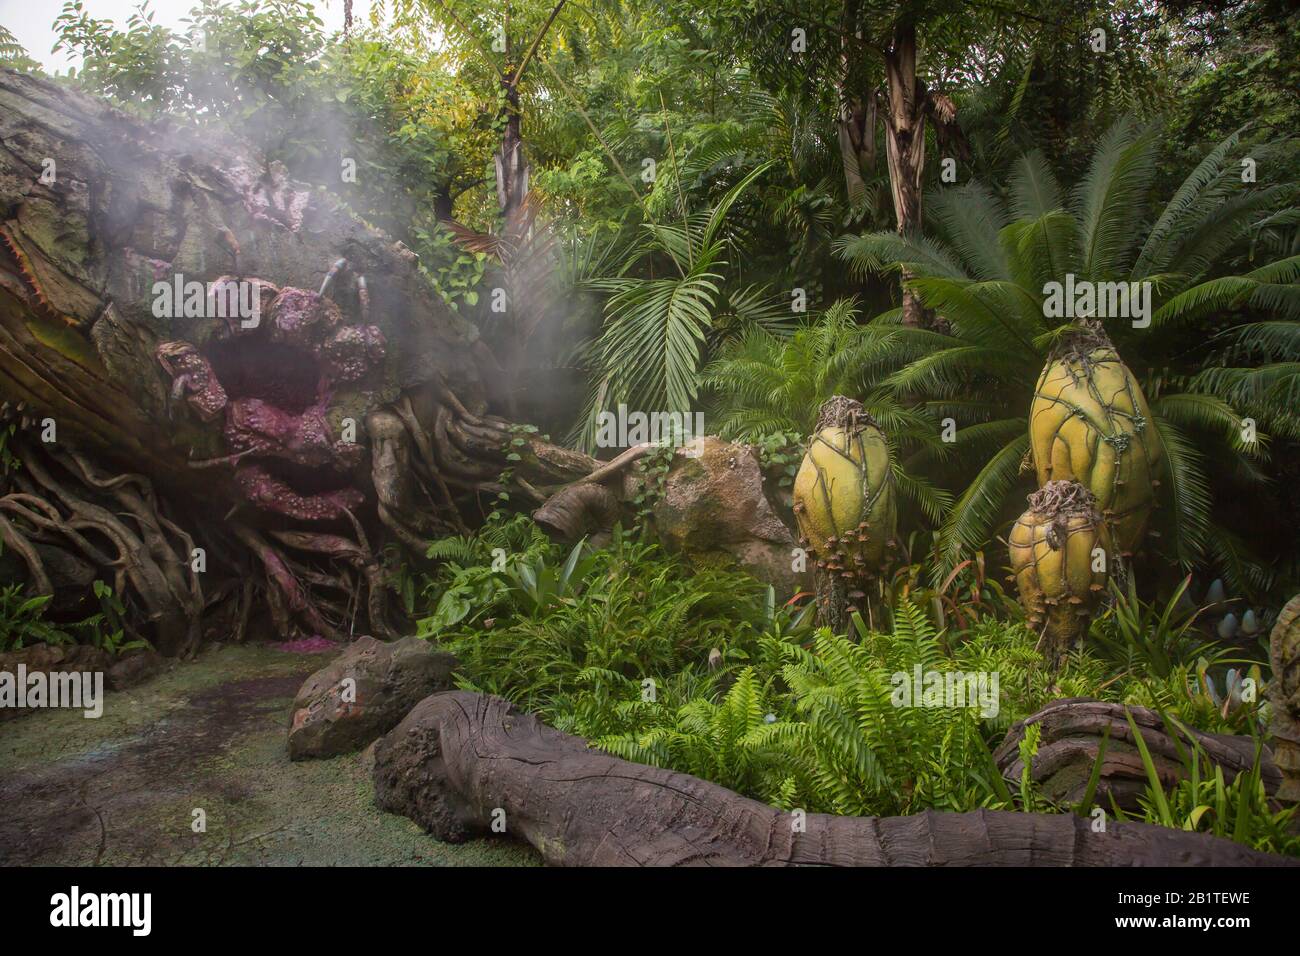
(744, 207)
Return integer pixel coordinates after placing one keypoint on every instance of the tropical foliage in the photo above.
(703, 672)
(698, 207)
(703, 215)
(987, 277)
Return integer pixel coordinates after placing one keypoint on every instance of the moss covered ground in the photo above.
(205, 735)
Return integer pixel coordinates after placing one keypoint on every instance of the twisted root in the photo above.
(56, 499)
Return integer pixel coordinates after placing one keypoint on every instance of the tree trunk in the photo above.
(857, 126)
(857, 132)
(463, 764)
(905, 146)
(511, 164)
(351, 406)
(1071, 738)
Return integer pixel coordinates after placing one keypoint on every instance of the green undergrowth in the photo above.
(702, 670)
(24, 620)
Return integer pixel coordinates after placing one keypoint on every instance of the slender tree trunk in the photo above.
(857, 144)
(857, 126)
(520, 261)
(511, 166)
(905, 146)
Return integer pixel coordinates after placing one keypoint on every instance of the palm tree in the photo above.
(986, 278)
(742, 204)
(766, 383)
(653, 345)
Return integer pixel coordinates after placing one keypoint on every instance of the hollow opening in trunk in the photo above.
(286, 376)
(305, 479)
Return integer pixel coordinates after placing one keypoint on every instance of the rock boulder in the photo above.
(363, 693)
(714, 509)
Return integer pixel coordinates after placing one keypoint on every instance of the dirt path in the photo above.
(206, 735)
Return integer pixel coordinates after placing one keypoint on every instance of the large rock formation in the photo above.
(1284, 694)
(713, 508)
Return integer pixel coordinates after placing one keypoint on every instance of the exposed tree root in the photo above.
(287, 597)
(1072, 734)
(231, 420)
(461, 762)
(115, 522)
(57, 496)
(578, 510)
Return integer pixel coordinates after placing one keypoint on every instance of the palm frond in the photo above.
(1227, 292)
(1111, 197)
(1208, 174)
(970, 522)
(887, 251)
(1035, 191)
(971, 217)
(1208, 413)
(1188, 494)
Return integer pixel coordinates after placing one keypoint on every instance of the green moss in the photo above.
(209, 735)
(63, 339)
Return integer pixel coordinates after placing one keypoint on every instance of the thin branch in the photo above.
(470, 33)
(537, 41)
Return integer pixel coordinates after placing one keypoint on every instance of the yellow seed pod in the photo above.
(844, 503)
(1061, 551)
(1089, 422)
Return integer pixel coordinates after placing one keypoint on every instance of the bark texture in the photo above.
(460, 761)
(909, 105)
(905, 147)
(1284, 693)
(356, 411)
(134, 203)
(1071, 738)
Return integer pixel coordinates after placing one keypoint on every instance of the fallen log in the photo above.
(463, 764)
(187, 333)
(1071, 732)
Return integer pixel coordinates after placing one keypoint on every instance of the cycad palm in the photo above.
(987, 281)
(767, 383)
